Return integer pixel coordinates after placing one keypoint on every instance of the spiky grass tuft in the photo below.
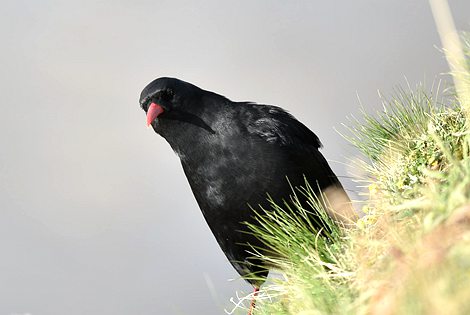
(410, 252)
(311, 259)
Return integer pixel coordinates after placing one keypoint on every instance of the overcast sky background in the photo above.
(96, 216)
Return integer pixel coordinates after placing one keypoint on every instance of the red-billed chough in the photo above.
(233, 155)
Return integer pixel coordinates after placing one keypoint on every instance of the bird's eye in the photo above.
(166, 95)
(158, 97)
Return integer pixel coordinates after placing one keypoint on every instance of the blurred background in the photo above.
(96, 216)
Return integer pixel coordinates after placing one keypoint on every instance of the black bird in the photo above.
(233, 155)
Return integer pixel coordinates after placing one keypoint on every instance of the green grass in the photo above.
(410, 252)
(306, 255)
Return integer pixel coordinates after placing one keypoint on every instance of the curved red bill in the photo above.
(153, 112)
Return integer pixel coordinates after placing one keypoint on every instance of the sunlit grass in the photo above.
(410, 252)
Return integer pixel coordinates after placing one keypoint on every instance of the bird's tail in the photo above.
(338, 205)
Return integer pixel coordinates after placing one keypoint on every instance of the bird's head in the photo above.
(176, 109)
(167, 98)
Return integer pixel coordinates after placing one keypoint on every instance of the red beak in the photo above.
(153, 112)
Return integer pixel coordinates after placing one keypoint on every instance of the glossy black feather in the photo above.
(233, 154)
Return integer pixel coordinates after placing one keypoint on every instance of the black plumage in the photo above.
(233, 154)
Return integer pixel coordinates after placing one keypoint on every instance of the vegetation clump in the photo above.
(410, 251)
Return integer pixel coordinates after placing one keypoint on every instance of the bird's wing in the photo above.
(275, 125)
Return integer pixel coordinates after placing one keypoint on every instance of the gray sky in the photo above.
(96, 215)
